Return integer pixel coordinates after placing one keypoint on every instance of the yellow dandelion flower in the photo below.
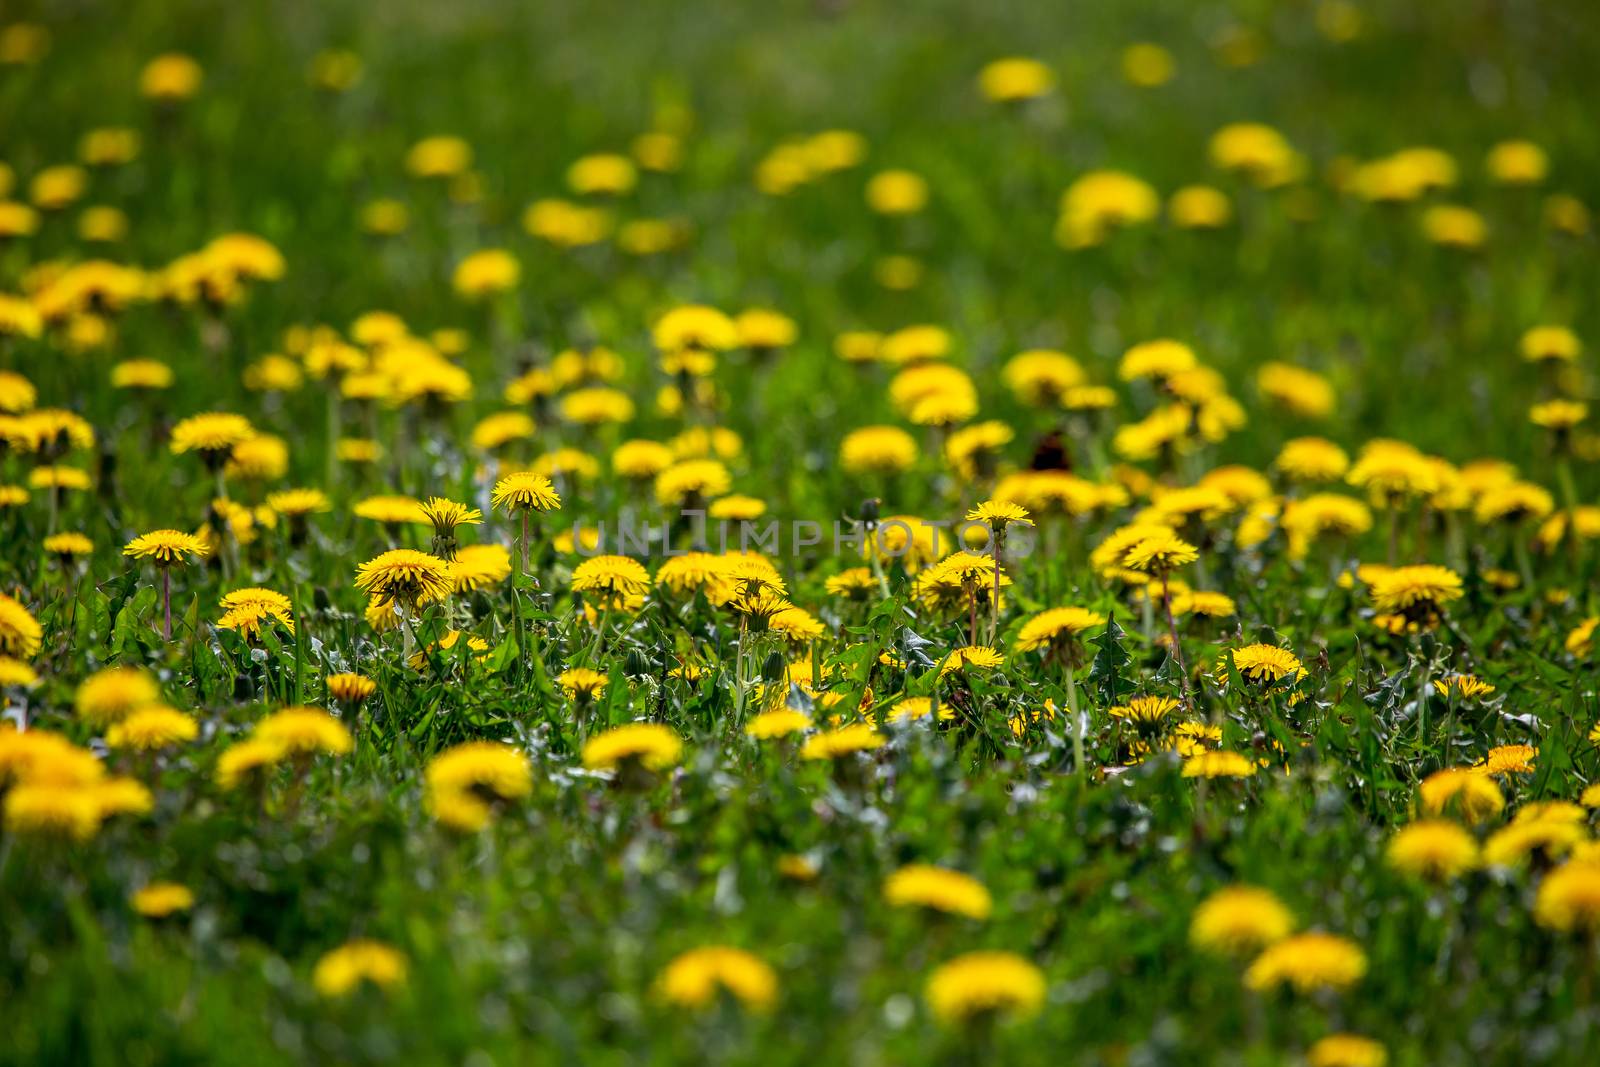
(20, 633)
(161, 899)
(693, 979)
(166, 547)
(1308, 962)
(406, 576)
(582, 682)
(649, 744)
(938, 888)
(1347, 1050)
(303, 730)
(109, 696)
(985, 984)
(1463, 792)
(525, 491)
(1434, 849)
(341, 971)
(611, 577)
(1239, 920)
(779, 723)
(151, 728)
(1569, 898)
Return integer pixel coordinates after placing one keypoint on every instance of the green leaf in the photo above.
(1105, 673)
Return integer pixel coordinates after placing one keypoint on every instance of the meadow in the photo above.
(805, 532)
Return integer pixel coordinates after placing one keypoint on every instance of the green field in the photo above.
(345, 347)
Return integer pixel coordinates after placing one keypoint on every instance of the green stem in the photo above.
(1077, 722)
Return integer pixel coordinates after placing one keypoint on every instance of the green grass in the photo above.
(541, 938)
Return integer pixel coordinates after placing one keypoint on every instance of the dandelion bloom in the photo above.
(1199, 207)
(938, 888)
(1261, 664)
(438, 157)
(1148, 64)
(897, 192)
(484, 273)
(525, 491)
(1159, 359)
(141, 374)
(1220, 764)
(1512, 846)
(832, 744)
(1302, 392)
(111, 695)
(446, 515)
(1415, 592)
(161, 899)
(51, 811)
(248, 619)
(166, 547)
(406, 576)
(1517, 163)
(998, 514)
(340, 971)
(1203, 602)
(170, 77)
(1347, 1050)
(611, 576)
(247, 760)
(1461, 791)
(1580, 640)
(1434, 849)
(150, 728)
(1569, 898)
(1159, 553)
(694, 478)
(781, 722)
(1145, 710)
(213, 434)
(649, 744)
(479, 566)
(465, 782)
(349, 688)
(695, 326)
(1054, 625)
(1550, 344)
(1041, 377)
(582, 682)
(298, 503)
(1239, 920)
(981, 984)
(1015, 78)
(1559, 415)
(762, 328)
(1309, 962)
(303, 730)
(1508, 759)
(693, 979)
(14, 672)
(877, 450)
(974, 657)
(20, 633)
(390, 510)
(68, 545)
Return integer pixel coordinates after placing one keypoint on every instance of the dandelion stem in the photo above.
(166, 603)
(334, 414)
(877, 564)
(994, 604)
(1172, 631)
(1077, 722)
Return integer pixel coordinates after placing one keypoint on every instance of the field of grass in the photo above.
(1251, 717)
